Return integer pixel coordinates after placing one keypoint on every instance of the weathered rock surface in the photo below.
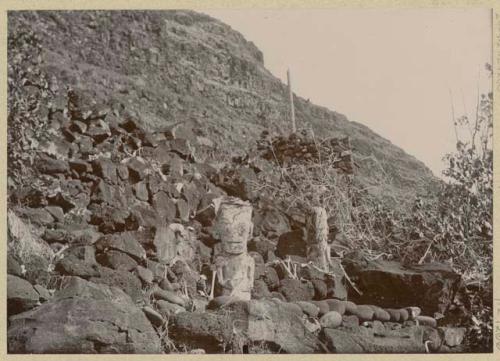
(246, 323)
(357, 339)
(388, 284)
(21, 295)
(83, 318)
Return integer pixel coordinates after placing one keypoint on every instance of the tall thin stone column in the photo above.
(318, 250)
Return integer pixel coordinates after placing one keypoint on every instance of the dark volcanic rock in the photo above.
(270, 277)
(242, 325)
(78, 261)
(356, 339)
(296, 290)
(208, 331)
(263, 246)
(291, 244)
(37, 216)
(83, 317)
(270, 222)
(21, 295)
(431, 287)
(117, 260)
(48, 165)
(124, 242)
(164, 206)
(106, 170)
(13, 266)
(126, 281)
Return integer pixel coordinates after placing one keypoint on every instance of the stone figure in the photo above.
(316, 237)
(234, 267)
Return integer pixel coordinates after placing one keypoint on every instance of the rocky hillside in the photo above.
(185, 67)
(119, 129)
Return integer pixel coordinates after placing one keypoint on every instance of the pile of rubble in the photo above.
(300, 147)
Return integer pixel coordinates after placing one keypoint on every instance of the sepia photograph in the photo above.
(249, 181)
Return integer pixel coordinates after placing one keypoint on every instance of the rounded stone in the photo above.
(308, 308)
(336, 305)
(350, 307)
(323, 307)
(331, 319)
(403, 315)
(426, 321)
(364, 313)
(380, 314)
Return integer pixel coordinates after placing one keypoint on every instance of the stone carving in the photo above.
(316, 236)
(234, 267)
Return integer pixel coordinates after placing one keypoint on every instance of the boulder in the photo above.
(296, 290)
(126, 281)
(270, 223)
(164, 206)
(29, 250)
(264, 247)
(21, 296)
(453, 336)
(183, 211)
(336, 305)
(426, 321)
(56, 212)
(169, 296)
(270, 277)
(350, 307)
(238, 182)
(260, 290)
(106, 170)
(181, 147)
(394, 315)
(431, 286)
(124, 242)
(331, 319)
(364, 312)
(43, 292)
(323, 306)
(291, 243)
(78, 261)
(83, 317)
(145, 275)
(243, 324)
(169, 309)
(209, 331)
(137, 169)
(380, 314)
(51, 166)
(308, 308)
(141, 191)
(153, 316)
(356, 340)
(147, 218)
(13, 266)
(117, 260)
(38, 216)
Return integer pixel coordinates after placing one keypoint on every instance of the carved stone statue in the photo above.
(234, 267)
(318, 249)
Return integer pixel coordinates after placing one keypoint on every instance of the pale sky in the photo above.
(392, 70)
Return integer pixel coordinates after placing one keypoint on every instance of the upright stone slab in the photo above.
(317, 248)
(235, 268)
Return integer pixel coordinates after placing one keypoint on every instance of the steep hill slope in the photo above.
(184, 67)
